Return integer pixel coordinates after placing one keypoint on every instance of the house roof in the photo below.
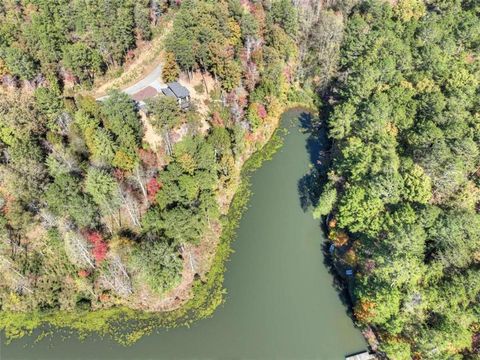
(145, 93)
(179, 90)
(168, 92)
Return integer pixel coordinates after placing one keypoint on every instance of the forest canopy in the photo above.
(72, 39)
(403, 191)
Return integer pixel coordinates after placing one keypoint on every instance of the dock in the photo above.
(360, 356)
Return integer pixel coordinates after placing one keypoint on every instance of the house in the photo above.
(178, 92)
(175, 90)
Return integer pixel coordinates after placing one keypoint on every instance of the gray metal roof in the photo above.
(168, 92)
(179, 90)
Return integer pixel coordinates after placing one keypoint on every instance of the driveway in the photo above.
(154, 79)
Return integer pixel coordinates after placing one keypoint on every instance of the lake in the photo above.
(281, 303)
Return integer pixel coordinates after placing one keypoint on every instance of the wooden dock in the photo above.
(361, 356)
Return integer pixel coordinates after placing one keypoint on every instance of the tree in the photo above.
(49, 102)
(82, 61)
(165, 112)
(20, 64)
(153, 186)
(100, 248)
(326, 201)
(122, 118)
(103, 148)
(322, 56)
(78, 251)
(183, 225)
(131, 205)
(219, 138)
(142, 19)
(125, 159)
(183, 48)
(165, 115)
(284, 13)
(418, 186)
(230, 74)
(170, 71)
(65, 198)
(410, 9)
(455, 237)
(117, 277)
(140, 176)
(159, 264)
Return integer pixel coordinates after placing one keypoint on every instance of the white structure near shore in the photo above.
(361, 356)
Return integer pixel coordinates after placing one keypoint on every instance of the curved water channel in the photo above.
(281, 303)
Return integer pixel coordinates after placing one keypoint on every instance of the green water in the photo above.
(280, 304)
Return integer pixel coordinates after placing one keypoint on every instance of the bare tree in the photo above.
(116, 277)
(155, 11)
(63, 121)
(78, 250)
(62, 155)
(130, 203)
(168, 142)
(48, 220)
(18, 282)
(141, 180)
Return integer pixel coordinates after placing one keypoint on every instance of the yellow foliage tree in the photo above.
(407, 10)
(338, 237)
(364, 311)
(124, 161)
(3, 68)
(170, 71)
(235, 31)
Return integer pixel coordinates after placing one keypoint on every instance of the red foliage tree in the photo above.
(148, 158)
(9, 199)
(104, 297)
(250, 137)
(259, 13)
(152, 188)
(100, 247)
(261, 111)
(288, 74)
(119, 174)
(242, 101)
(83, 273)
(217, 119)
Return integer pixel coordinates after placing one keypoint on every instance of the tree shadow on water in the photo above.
(317, 146)
(309, 189)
